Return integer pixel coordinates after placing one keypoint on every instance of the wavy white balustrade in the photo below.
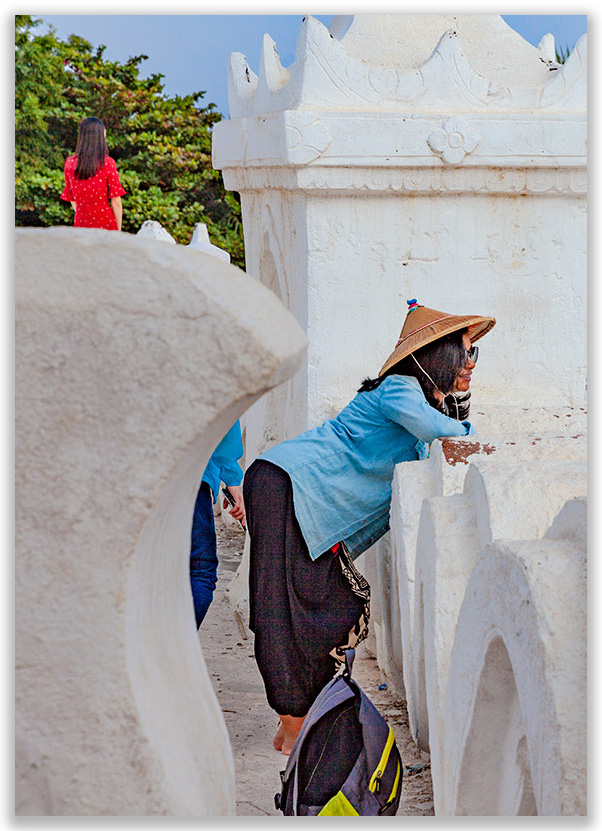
(412, 484)
(516, 705)
(133, 359)
(473, 495)
(384, 636)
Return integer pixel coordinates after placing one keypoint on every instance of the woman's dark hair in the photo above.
(91, 148)
(442, 360)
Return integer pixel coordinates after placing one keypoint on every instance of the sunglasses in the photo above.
(473, 354)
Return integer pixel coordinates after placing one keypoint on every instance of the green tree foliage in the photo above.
(162, 145)
(562, 54)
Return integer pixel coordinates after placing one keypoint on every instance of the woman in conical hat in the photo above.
(316, 502)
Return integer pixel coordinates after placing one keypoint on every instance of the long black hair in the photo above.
(442, 360)
(91, 148)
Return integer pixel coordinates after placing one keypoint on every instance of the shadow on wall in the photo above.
(503, 772)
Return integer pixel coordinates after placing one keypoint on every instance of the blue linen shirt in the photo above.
(341, 471)
(223, 465)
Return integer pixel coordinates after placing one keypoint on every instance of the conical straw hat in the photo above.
(423, 325)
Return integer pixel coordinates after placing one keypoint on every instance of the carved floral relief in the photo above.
(454, 140)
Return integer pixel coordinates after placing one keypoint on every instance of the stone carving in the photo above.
(568, 88)
(571, 182)
(306, 137)
(339, 106)
(453, 141)
(547, 47)
(272, 76)
(200, 242)
(271, 73)
(242, 83)
(115, 710)
(151, 229)
(325, 73)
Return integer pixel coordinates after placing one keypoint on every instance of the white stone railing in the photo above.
(481, 592)
(133, 358)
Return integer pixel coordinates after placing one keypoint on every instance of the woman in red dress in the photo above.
(91, 180)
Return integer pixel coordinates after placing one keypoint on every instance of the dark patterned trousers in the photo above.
(300, 609)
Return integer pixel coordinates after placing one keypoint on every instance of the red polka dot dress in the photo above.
(92, 196)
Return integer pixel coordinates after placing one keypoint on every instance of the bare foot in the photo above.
(279, 737)
(288, 730)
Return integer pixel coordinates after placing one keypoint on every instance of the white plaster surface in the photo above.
(429, 156)
(444, 158)
(516, 701)
(506, 494)
(406, 41)
(378, 567)
(151, 229)
(200, 242)
(133, 359)
(392, 62)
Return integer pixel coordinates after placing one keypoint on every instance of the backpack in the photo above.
(345, 761)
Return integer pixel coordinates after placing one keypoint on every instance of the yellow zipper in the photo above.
(393, 793)
(374, 785)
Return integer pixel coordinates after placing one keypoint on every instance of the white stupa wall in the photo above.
(522, 260)
(399, 157)
(274, 246)
(444, 158)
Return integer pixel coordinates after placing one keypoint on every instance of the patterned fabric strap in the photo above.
(359, 586)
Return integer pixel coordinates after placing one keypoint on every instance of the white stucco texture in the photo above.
(449, 514)
(437, 157)
(517, 683)
(492, 48)
(133, 358)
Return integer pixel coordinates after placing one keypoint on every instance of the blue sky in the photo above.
(191, 50)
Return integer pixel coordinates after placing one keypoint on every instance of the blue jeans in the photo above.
(203, 553)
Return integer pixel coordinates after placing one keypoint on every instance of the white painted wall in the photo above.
(459, 180)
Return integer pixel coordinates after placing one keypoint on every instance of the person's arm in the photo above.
(67, 193)
(117, 209)
(225, 457)
(116, 191)
(407, 405)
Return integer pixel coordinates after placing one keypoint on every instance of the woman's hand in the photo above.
(238, 511)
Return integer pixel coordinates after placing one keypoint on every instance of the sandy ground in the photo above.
(251, 724)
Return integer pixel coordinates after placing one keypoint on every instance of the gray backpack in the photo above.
(345, 761)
